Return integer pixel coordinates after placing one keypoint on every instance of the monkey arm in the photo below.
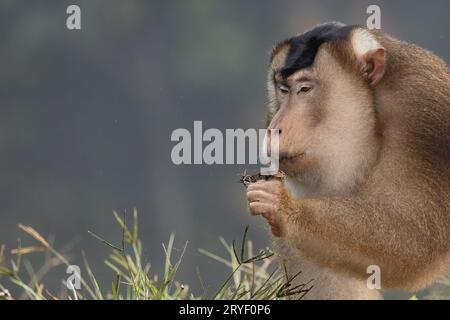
(350, 234)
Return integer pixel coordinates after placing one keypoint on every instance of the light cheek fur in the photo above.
(345, 142)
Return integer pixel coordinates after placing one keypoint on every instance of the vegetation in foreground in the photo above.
(252, 276)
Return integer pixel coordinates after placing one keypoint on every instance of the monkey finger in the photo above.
(259, 208)
(268, 186)
(262, 191)
(259, 195)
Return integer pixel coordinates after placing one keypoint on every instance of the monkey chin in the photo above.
(292, 165)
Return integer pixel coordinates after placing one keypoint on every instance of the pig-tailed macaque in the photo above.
(364, 142)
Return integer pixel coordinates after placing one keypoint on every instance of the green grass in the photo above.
(252, 276)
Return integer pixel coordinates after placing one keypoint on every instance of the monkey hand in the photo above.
(271, 200)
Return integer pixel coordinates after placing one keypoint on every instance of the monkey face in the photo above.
(326, 116)
(299, 111)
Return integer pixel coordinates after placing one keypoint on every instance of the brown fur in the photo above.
(376, 189)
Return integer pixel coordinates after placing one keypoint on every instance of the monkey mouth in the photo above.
(290, 157)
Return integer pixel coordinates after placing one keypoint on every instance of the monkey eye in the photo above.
(305, 88)
(283, 88)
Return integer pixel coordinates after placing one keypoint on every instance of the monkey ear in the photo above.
(374, 64)
(371, 54)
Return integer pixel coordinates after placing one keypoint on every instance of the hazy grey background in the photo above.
(86, 116)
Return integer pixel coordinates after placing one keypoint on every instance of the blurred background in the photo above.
(86, 116)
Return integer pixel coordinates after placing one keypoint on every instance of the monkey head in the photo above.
(321, 97)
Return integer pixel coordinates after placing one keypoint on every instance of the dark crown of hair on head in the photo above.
(303, 48)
